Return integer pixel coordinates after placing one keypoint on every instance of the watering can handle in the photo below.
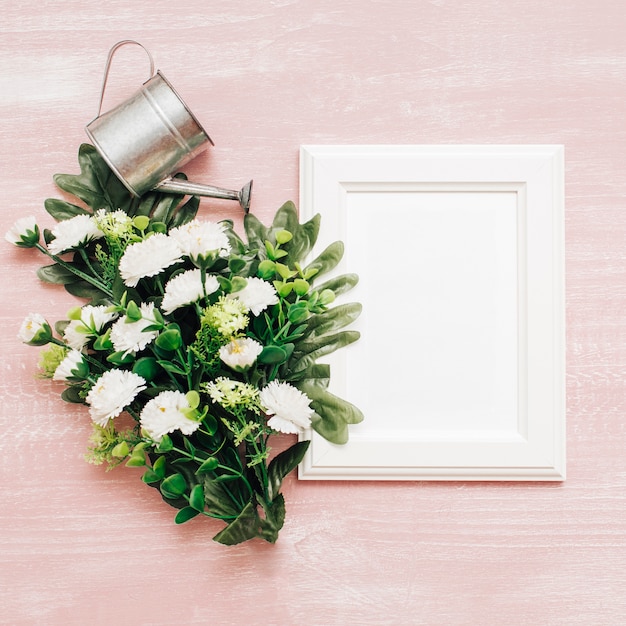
(119, 44)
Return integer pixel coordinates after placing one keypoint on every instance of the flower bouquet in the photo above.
(209, 342)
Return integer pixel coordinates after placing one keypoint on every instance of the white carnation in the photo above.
(164, 414)
(187, 288)
(197, 238)
(289, 407)
(34, 324)
(73, 233)
(69, 366)
(24, 232)
(111, 393)
(92, 320)
(131, 337)
(148, 258)
(257, 295)
(240, 354)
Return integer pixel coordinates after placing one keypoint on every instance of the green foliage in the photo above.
(215, 460)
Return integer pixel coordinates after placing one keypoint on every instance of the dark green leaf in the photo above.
(185, 213)
(307, 352)
(174, 486)
(185, 514)
(56, 274)
(147, 367)
(282, 464)
(208, 465)
(328, 259)
(272, 355)
(61, 210)
(340, 284)
(72, 394)
(196, 498)
(333, 319)
(246, 526)
(217, 499)
(83, 289)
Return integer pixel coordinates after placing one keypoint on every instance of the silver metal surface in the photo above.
(150, 136)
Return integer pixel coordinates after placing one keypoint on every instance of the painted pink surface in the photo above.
(81, 546)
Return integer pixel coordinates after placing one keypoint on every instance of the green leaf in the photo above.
(332, 414)
(272, 355)
(328, 259)
(96, 185)
(282, 464)
(168, 366)
(72, 395)
(56, 274)
(83, 289)
(196, 498)
(208, 465)
(119, 358)
(309, 351)
(61, 210)
(340, 284)
(217, 499)
(246, 526)
(256, 233)
(169, 340)
(165, 445)
(173, 486)
(147, 367)
(185, 514)
(185, 213)
(274, 519)
(149, 477)
(333, 319)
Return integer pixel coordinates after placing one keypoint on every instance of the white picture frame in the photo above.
(460, 368)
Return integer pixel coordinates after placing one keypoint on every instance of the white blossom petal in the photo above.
(148, 258)
(240, 354)
(24, 232)
(163, 414)
(66, 368)
(131, 337)
(186, 288)
(199, 238)
(73, 233)
(288, 407)
(111, 393)
(257, 295)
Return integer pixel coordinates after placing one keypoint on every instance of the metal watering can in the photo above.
(148, 137)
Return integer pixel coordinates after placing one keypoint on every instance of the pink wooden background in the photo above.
(81, 546)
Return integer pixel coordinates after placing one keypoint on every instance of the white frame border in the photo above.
(536, 172)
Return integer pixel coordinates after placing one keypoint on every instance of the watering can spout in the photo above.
(178, 185)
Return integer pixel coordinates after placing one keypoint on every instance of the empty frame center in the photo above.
(439, 274)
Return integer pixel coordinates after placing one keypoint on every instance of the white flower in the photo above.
(197, 238)
(148, 258)
(113, 391)
(164, 414)
(71, 366)
(131, 337)
(92, 320)
(24, 233)
(240, 354)
(73, 233)
(288, 406)
(35, 330)
(186, 288)
(257, 295)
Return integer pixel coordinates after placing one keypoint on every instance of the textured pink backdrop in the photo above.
(81, 546)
